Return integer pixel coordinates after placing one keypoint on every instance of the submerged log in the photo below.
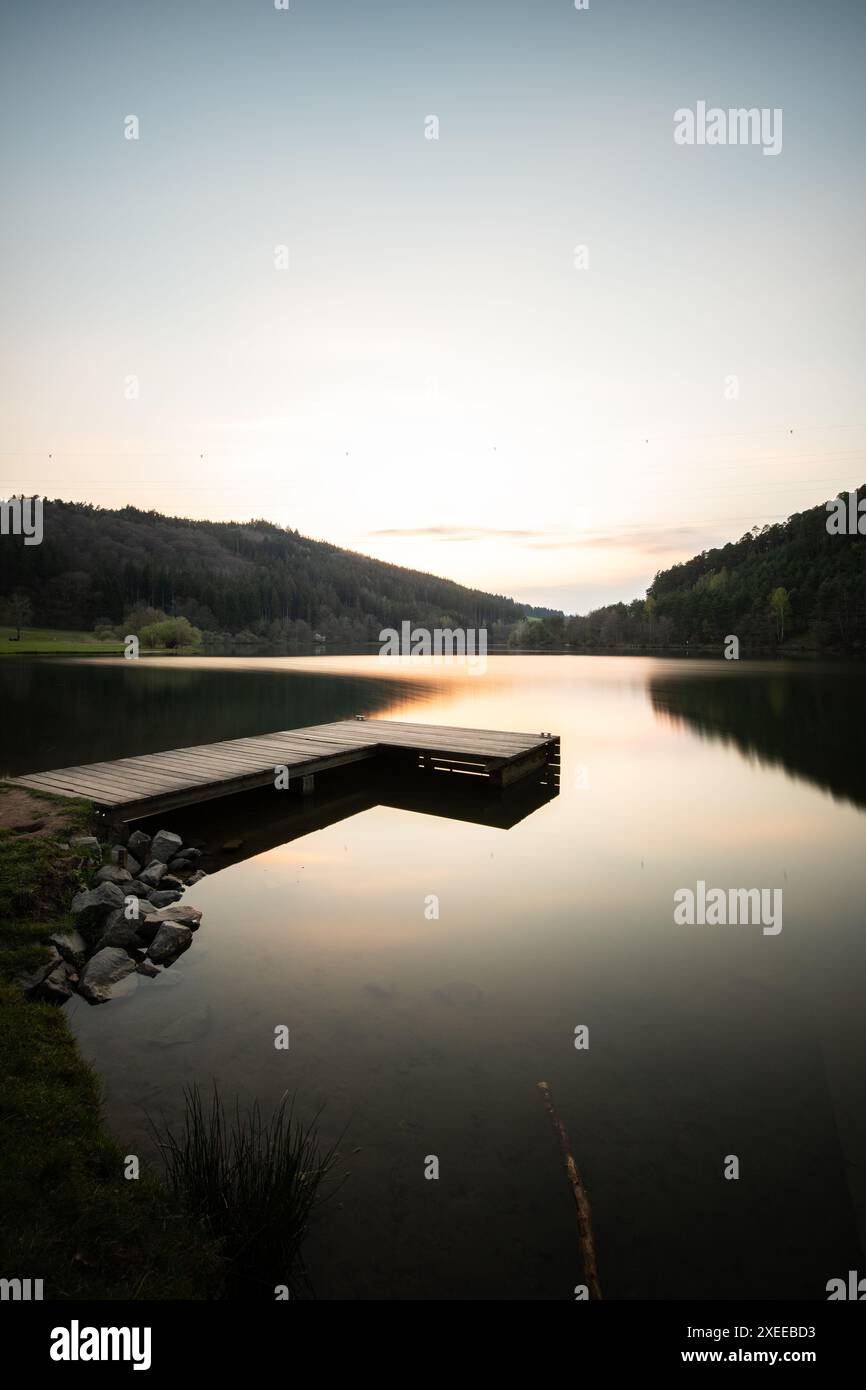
(586, 1240)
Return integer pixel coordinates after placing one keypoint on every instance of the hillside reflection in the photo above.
(806, 720)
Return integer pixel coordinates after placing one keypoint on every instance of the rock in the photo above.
(196, 877)
(86, 844)
(104, 970)
(232, 845)
(179, 912)
(184, 861)
(146, 929)
(151, 876)
(132, 864)
(144, 967)
(120, 933)
(139, 845)
(137, 889)
(163, 899)
(92, 907)
(169, 881)
(114, 919)
(170, 941)
(110, 873)
(31, 979)
(164, 846)
(59, 985)
(71, 945)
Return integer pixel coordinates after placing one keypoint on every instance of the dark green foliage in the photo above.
(731, 589)
(255, 578)
(793, 582)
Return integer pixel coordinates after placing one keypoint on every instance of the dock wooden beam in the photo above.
(129, 788)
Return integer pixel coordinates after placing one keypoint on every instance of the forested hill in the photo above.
(795, 585)
(94, 566)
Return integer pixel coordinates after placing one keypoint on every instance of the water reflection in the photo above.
(267, 818)
(429, 1036)
(60, 713)
(807, 719)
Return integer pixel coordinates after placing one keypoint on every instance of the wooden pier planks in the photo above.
(142, 785)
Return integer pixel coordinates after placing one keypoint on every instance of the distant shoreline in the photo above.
(41, 643)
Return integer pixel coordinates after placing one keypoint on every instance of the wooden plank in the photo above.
(512, 771)
(268, 754)
(136, 810)
(441, 741)
(480, 740)
(182, 763)
(124, 780)
(389, 733)
(94, 772)
(134, 779)
(526, 738)
(181, 775)
(299, 748)
(105, 775)
(189, 796)
(127, 770)
(100, 795)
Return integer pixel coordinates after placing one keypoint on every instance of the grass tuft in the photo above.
(252, 1184)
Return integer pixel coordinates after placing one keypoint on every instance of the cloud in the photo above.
(455, 533)
(647, 540)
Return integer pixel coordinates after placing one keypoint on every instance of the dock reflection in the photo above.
(234, 828)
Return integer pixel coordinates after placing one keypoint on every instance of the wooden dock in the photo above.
(130, 788)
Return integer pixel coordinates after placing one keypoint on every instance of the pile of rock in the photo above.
(131, 917)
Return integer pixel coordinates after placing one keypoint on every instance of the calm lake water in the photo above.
(428, 1037)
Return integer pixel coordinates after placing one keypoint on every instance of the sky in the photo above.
(284, 300)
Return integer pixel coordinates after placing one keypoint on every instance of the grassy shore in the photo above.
(38, 640)
(55, 641)
(67, 1214)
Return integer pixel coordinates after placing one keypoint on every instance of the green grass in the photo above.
(42, 641)
(36, 640)
(67, 1214)
(252, 1185)
(229, 1216)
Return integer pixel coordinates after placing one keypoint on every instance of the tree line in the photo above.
(796, 583)
(97, 566)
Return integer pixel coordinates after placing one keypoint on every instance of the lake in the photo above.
(419, 1036)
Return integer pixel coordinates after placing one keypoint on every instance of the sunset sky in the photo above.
(432, 380)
